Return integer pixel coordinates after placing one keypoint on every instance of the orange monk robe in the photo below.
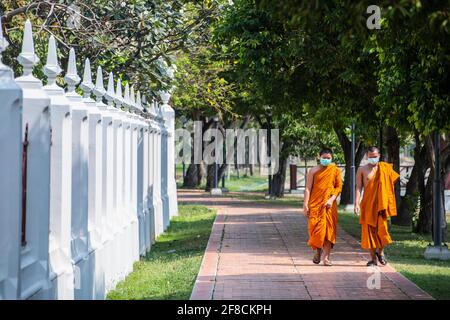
(377, 204)
(322, 222)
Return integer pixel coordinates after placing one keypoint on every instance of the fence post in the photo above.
(152, 198)
(159, 166)
(80, 179)
(135, 125)
(36, 168)
(120, 219)
(10, 178)
(155, 151)
(142, 179)
(150, 161)
(126, 212)
(111, 188)
(94, 185)
(60, 181)
(164, 168)
(95, 159)
(169, 116)
(106, 182)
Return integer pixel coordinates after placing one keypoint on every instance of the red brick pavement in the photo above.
(258, 251)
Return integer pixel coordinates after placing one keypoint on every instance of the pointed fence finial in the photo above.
(165, 97)
(139, 101)
(27, 58)
(132, 97)
(87, 86)
(144, 104)
(99, 90)
(72, 78)
(118, 99)
(126, 96)
(153, 107)
(110, 94)
(3, 43)
(52, 68)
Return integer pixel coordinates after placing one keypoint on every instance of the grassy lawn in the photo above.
(259, 197)
(245, 183)
(170, 269)
(406, 255)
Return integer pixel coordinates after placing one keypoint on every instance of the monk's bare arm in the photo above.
(359, 179)
(308, 187)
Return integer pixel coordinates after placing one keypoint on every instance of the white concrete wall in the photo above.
(10, 180)
(97, 180)
(169, 117)
(34, 264)
(61, 270)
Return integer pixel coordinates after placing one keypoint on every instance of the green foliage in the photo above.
(135, 38)
(270, 67)
(199, 85)
(413, 48)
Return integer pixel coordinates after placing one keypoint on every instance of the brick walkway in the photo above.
(258, 251)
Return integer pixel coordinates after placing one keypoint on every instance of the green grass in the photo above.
(406, 256)
(287, 200)
(170, 269)
(245, 183)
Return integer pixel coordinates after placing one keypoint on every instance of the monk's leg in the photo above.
(369, 242)
(326, 252)
(383, 238)
(373, 254)
(317, 256)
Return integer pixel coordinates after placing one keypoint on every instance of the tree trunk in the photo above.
(445, 165)
(346, 146)
(279, 179)
(416, 182)
(392, 143)
(210, 176)
(195, 172)
(193, 177)
(424, 223)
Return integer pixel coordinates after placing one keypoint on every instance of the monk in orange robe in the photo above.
(378, 203)
(323, 186)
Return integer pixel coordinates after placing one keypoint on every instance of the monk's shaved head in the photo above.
(373, 149)
(326, 151)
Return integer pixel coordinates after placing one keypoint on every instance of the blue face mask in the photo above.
(325, 162)
(373, 160)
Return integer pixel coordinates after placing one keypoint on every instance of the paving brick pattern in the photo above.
(258, 251)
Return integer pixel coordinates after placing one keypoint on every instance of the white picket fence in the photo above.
(85, 187)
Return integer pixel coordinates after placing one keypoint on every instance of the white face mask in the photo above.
(373, 160)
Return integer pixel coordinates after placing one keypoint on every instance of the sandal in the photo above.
(372, 263)
(381, 258)
(327, 263)
(317, 256)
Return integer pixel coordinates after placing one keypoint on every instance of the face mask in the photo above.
(373, 160)
(325, 162)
